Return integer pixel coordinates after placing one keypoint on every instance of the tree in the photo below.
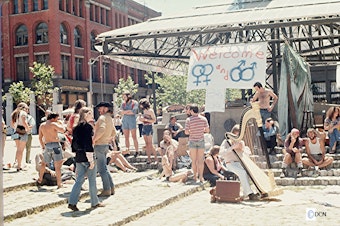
(172, 90)
(20, 92)
(42, 83)
(125, 85)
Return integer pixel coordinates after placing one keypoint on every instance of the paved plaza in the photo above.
(143, 199)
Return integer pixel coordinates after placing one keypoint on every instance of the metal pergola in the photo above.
(163, 44)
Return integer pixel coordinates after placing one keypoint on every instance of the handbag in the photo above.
(20, 130)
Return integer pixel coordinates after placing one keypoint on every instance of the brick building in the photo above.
(62, 33)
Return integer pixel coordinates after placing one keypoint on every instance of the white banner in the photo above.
(231, 66)
(338, 76)
(215, 100)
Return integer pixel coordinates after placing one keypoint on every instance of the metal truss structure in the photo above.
(163, 44)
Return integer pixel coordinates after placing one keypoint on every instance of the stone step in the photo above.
(310, 173)
(139, 198)
(308, 181)
(278, 165)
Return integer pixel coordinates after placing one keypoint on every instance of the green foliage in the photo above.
(233, 94)
(19, 92)
(42, 83)
(125, 85)
(172, 90)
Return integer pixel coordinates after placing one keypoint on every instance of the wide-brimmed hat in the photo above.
(104, 104)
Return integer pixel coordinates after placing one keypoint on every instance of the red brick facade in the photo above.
(21, 49)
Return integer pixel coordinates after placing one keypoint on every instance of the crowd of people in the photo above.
(94, 145)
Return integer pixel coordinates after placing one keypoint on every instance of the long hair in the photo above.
(15, 114)
(82, 113)
(128, 95)
(331, 111)
(78, 105)
(145, 104)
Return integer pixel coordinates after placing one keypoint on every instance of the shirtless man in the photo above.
(263, 96)
(49, 142)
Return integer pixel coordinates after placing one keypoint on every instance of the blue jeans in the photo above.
(264, 115)
(101, 151)
(333, 137)
(212, 178)
(81, 170)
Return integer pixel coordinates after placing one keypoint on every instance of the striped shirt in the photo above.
(196, 126)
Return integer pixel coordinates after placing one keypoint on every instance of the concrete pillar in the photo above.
(9, 108)
(33, 111)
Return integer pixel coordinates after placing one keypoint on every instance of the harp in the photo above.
(264, 183)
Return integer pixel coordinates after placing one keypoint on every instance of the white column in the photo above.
(33, 112)
(9, 108)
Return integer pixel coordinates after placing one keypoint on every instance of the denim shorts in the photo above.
(53, 151)
(147, 130)
(197, 144)
(129, 122)
(16, 136)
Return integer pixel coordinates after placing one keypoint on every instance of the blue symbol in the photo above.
(245, 74)
(202, 70)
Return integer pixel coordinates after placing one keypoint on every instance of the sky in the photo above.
(168, 7)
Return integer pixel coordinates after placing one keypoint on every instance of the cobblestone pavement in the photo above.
(148, 201)
(289, 209)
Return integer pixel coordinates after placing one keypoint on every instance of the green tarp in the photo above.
(295, 93)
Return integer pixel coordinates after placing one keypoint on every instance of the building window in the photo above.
(68, 6)
(61, 5)
(93, 40)
(21, 36)
(63, 34)
(42, 33)
(106, 69)
(107, 17)
(91, 12)
(25, 6)
(35, 5)
(15, 7)
(65, 66)
(43, 59)
(79, 69)
(140, 75)
(77, 37)
(81, 8)
(95, 76)
(45, 4)
(22, 68)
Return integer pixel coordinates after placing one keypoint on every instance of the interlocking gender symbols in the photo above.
(245, 74)
(202, 70)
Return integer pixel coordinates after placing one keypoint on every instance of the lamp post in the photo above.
(90, 93)
(1, 134)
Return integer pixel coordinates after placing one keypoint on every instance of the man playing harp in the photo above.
(233, 163)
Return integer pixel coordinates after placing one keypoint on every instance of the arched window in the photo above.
(77, 37)
(63, 34)
(93, 40)
(21, 36)
(41, 33)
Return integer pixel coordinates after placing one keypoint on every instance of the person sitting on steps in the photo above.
(293, 145)
(332, 125)
(315, 149)
(269, 133)
(169, 173)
